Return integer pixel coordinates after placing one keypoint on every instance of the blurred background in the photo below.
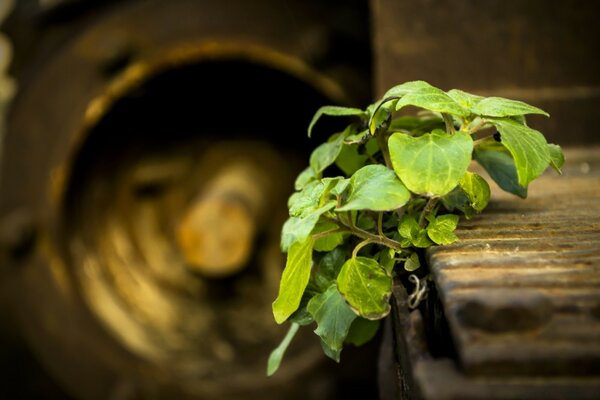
(147, 149)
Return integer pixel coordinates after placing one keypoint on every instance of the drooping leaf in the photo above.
(377, 188)
(331, 353)
(432, 164)
(433, 99)
(466, 100)
(277, 355)
(379, 121)
(330, 241)
(498, 162)
(326, 154)
(412, 234)
(557, 158)
(501, 107)
(477, 190)
(294, 279)
(334, 111)
(366, 287)
(412, 263)
(333, 316)
(528, 148)
(441, 229)
(304, 178)
(361, 331)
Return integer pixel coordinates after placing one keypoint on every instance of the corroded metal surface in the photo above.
(521, 293)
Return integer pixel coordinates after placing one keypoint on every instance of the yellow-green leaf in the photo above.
(334, 111)
(501, 107)
(431, 164)
(477, 190)
(294, 279)
(366, 287)
(277, 355)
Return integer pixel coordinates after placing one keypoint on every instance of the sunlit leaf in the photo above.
(377, 188)
(557, 158)
(441, 229)
(366, 287)
(501, 107)
(412, 233)
(477, 190)
(432, 164)
(326, 154)
(294, 279)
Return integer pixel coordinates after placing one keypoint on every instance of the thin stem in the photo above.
(360, 246)
(477, 127)
(383, 146)
(431, 203)
(380, 224)
(449, 124)
(382, 240)
(320, 235)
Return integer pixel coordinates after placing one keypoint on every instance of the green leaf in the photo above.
(334, 111)
(412, 263)
(387, 259)
(296, 229)
(294, 279)
(277, 355)
(302, 203)
(464, 99)
(325, 154)
(327, 269)
(304, 178)
(361, 331)
(366, 287)
(375, 187)
(406, 88)
(498, 162)
(432, 164)
(350, 160)
(416, 125)
(412, 234)
(333, 316)
(477, 190)
(500, 107)
(328, 242)
(329, 352)
(441, 229)
(527, 146)
(379, 121)
(557, 158)
(433, 99)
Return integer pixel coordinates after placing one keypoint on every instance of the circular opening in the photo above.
(146, 173)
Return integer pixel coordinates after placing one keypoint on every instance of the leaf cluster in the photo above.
(399, 185)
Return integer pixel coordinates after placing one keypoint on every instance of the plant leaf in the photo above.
(328, 242)
(432, 164)
(433, 99)
(361, 331)
(297, 229)
(334, 111)
(302, 203)
(477, 190)
(498, 162)
(557, 158)
(329, 352)
(349, 160)
(327, 269)
(326, 153)
(501, 107)
(377, 188)
(294, 279)
(411, 233)
(277, 354)
(464, 99)
(304, 178)
(441, 229)
(333, 316)
(366, 287)
(406, 88)
(527, 146)
(412, 263)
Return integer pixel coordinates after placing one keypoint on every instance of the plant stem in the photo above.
(449, 124)
(360, 246)
(320, 235)
(382, 240)
(431, 203)
(383, 146)
(477, 127)
(380, 224)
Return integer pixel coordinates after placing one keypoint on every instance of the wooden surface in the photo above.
(521, 293)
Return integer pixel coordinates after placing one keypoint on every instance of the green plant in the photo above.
(406, 181)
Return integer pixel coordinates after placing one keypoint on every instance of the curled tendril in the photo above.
(419, 293)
